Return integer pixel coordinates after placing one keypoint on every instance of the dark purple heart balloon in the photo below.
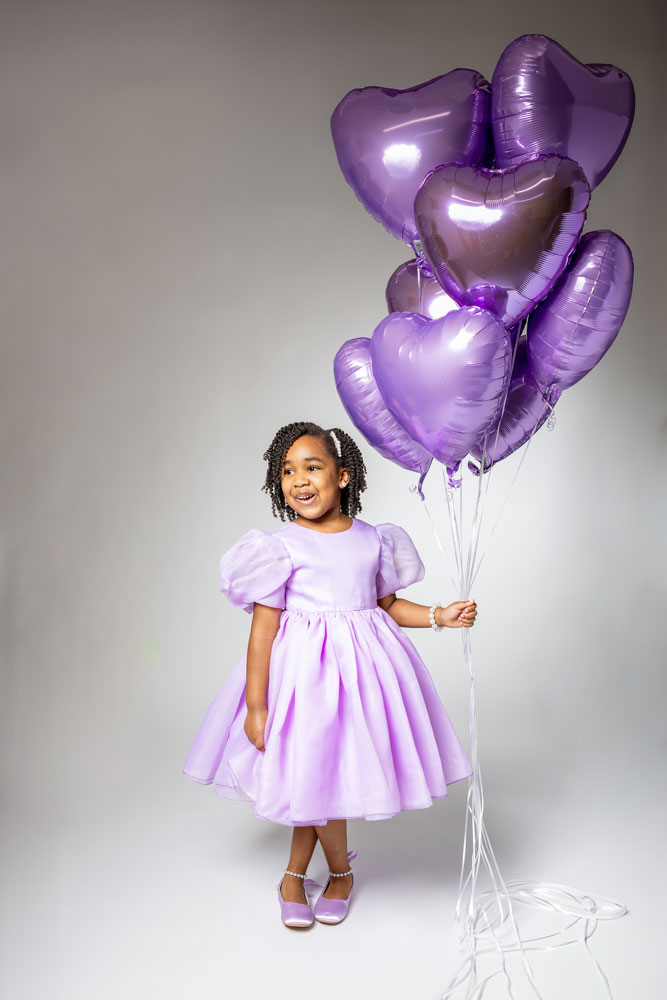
(410, 290)
(387, 140)
(500, 239)
(361, 398)
(525, 411)
(576, 325)
(546, 101)
(444, 379)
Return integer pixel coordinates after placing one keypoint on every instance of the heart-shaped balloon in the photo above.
(361, 398)
(443, 379)
(524, 413)
(546, 101)
(576, 325)
(387, 140)
(410, 290)
(500, 239)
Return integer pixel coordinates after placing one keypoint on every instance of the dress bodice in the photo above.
(302, 569)
(331, 572)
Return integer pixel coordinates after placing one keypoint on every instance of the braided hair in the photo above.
(350, 457)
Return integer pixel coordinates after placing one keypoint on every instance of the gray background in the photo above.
(181, 258)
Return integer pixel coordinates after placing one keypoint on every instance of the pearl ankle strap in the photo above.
(333, 874)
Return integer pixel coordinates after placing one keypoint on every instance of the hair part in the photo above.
(350, 457)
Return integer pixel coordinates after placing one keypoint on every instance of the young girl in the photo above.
(331, 715)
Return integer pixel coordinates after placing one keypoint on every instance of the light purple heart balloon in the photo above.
(410, 290)
(386, 140)
(500, 239)
(546, 101)
(576, 325)
(443, 379)
(525, 411)
(366, 409)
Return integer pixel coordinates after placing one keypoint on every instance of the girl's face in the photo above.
(311, 479)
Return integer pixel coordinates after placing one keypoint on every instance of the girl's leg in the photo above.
(304, 840)
(333, 838)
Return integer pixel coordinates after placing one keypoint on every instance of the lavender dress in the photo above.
(355, 727)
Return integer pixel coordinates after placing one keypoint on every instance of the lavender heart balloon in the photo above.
(410, 290)
(443, 379)
(386, 140)
(576, 325)
(546, 101)
(366, 409)
(526, 409)
(500, 239)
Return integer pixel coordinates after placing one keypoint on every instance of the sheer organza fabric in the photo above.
(355, 726)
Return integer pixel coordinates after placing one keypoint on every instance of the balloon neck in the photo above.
(552, 395)
(418, 487)
(454, 476)
(420, 260)
(476, 469)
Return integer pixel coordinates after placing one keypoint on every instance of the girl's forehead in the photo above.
(307, 448)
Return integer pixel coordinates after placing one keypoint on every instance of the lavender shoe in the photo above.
(332, 911)
(297, 914)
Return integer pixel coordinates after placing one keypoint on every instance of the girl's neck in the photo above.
(331, 522)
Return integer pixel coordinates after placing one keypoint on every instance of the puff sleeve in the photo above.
(256, 568)
(400, 564)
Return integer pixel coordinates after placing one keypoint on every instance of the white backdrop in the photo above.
(181, 259)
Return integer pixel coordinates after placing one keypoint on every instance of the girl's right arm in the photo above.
(265, 625)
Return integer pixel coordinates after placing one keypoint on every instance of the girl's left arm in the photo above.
(460, 614)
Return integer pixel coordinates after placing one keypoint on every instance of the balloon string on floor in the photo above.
(485, 919)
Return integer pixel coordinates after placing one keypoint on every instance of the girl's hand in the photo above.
(460, 614)
(253, 727)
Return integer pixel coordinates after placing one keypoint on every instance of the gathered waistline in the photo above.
(328, 611)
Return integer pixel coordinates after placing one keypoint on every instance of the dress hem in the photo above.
(372, 817)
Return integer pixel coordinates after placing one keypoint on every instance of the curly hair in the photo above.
(350, 457)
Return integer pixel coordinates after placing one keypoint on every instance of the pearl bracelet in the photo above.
(431, 617)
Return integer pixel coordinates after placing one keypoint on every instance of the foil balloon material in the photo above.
(500, 239)
(387, 140)
(366, 409)
(576, 325)
(443, 379)
(410, 290)
(546, 101)
(526, 409)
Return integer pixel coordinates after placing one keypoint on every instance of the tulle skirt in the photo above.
(355, 727)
